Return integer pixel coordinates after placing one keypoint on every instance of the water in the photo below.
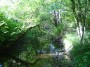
(52, 48)
(1, 65)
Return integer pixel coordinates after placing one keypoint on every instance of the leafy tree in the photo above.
(29, 27)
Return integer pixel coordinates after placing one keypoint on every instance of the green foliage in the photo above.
(81, 55)
(20, 33)
(33, 36)
(9, 29)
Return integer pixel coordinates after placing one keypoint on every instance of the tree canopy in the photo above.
(44, 33)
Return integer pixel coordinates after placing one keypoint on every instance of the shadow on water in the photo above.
(56, 55)
(53, 57)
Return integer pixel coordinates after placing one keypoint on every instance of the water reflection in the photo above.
(52, 48)
(1, 65)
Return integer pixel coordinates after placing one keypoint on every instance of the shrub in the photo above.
(81, 55)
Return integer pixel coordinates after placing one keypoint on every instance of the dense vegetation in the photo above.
(44, 33)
